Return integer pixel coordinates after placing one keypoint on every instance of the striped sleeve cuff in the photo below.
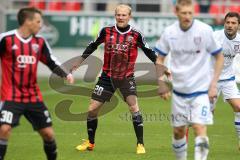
(216, 52)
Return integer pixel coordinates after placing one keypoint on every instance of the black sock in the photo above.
(3, 148)
(138, 126)
(50, 149)
(91, 128)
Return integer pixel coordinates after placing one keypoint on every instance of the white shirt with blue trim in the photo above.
(230, 49)
(191, 55)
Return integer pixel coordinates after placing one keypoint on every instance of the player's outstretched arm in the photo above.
(92, 46)
(212, 92)
(76, 63)
(164, 90)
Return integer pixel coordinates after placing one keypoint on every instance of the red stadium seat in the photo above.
(55, 5)
(234, 8)
(72, 6)
(217, 9)
(196, 8)
(40, 4)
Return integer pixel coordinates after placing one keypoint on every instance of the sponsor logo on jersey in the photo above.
(35, 47)
(237, 48)
(14, 47)
(117, 47)
(23, 60)
(197, 40)
(129, 38)
(112, 37)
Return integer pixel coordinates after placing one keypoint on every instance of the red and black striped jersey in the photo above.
(120, 50)
(19, 61)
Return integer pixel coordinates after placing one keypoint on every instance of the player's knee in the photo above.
(93, 113)
(94, 108)
(179, 132)
(237, 108)
(134, 108)
(5, 131)
(47, 134)
(199, 130)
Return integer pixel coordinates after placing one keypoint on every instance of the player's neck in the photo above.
(230, 37)
(185, 28)
(24, 33)
(124, 29)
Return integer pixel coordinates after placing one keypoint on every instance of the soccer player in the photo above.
(121, 42)
(230, 41)
(191, 46)
(20, 51)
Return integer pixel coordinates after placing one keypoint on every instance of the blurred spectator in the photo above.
(204, 5)
(148, 8)
(100, 6)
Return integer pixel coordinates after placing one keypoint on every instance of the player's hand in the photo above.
(212, 92)
(168, 74)
(164, 90)
(70, 78)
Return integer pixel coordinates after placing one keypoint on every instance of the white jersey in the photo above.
(230, 49)
(191, 56)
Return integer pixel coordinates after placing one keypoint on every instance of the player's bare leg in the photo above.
(5, 131)
(137, 122)
(187, 133)
(235, 103)
(49, 143)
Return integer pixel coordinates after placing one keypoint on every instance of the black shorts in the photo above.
(106, 86)
(36, 113)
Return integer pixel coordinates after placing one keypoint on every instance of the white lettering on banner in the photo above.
(152, 27)
(23, 60)
(84, 26)
(77, 24)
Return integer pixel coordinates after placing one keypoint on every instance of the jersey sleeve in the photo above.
(2, 44)
(213, 45)
(162, 46)
(51, 61)
(94, 44)
(144, 46)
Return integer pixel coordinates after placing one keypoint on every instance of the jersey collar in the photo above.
(22, 39)
(123, 32)
(188, 27)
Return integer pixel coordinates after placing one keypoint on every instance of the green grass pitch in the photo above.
(115, 139)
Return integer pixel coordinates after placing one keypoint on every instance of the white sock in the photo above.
(201, 148)
(237, 124)
(180, 148)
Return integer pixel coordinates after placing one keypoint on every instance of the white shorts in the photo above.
(228, 89)
(194, 110)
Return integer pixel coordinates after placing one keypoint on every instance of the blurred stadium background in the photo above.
(69, 25)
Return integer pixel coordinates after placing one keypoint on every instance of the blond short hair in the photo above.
(123, 6)
(183, 3)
